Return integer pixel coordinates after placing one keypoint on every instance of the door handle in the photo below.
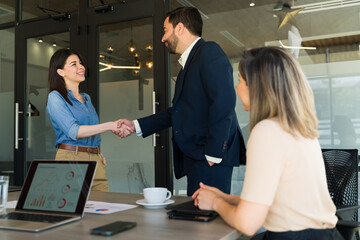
(104, 9)
(154, 103)
(17, 112)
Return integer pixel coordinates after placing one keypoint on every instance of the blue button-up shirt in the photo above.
(67, 119)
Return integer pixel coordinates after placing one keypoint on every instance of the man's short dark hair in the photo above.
(189, 16)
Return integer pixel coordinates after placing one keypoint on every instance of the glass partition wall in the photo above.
(323, 35)
(126, 88)
(7, 11)
(7, 64)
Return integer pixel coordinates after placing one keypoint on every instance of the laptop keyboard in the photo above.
(34, 217)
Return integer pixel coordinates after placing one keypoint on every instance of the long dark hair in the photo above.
(57, 61)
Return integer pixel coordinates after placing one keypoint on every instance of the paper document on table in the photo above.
(105, 207)
(11, 204)
(94, 207)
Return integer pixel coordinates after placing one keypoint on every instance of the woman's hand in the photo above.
(205, 196)
(205, 199)
(103, 158)
(122, 129)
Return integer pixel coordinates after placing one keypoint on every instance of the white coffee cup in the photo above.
(156, 195)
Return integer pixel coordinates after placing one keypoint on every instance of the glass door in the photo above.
(130, 67)
(34, 135)
(40, 135)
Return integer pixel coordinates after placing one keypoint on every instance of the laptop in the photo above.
(54, 193)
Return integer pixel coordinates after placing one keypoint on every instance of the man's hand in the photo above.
(125, 128)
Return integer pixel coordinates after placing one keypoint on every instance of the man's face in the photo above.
(170, 39)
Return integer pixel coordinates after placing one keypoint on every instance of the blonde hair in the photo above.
(278, 88)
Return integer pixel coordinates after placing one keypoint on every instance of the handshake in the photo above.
(123, 128)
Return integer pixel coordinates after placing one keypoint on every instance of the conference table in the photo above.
(151, 224)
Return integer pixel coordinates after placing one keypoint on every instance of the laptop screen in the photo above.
(57, 186)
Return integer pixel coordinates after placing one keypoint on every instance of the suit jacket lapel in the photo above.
(181, 76)
(178, 85)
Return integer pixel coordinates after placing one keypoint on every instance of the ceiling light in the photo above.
(110, 49)
(149, 48)
(132, 48)
(40, 40)
(326, 5)
(290, 47)
(252, 4)
(231, 38)
(54, 44)
(104, 69)
(149, 64)
(110, 66)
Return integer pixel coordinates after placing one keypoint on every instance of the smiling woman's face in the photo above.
(73, 69)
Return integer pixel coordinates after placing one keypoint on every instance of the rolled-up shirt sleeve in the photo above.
(61, 116)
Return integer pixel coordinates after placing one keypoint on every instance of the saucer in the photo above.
(143, 202)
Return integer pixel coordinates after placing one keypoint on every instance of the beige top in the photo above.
(287, 174)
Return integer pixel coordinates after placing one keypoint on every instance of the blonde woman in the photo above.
(285, 188)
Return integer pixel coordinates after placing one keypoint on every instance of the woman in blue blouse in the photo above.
(73, 116)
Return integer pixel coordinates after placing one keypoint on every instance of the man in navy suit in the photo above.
(207, 140)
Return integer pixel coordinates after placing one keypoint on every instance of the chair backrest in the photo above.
(342, 176)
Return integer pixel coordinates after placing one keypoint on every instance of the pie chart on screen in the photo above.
(66, 189)
(61, 203)
(70, 175)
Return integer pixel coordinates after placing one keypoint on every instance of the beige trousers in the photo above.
(100, 182)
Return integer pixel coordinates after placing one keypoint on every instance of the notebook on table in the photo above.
(54, 193)
(188, 211)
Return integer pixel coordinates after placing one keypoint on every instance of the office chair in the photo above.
(341, 167)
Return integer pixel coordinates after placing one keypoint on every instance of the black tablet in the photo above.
(191, 217)
(188, 211)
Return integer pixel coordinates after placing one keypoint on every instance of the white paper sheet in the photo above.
(94, 207)
(11, 204)
(106, 208)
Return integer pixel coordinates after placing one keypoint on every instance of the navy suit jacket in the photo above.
(202, 117)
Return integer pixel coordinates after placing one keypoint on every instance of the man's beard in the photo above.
(172, 43)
